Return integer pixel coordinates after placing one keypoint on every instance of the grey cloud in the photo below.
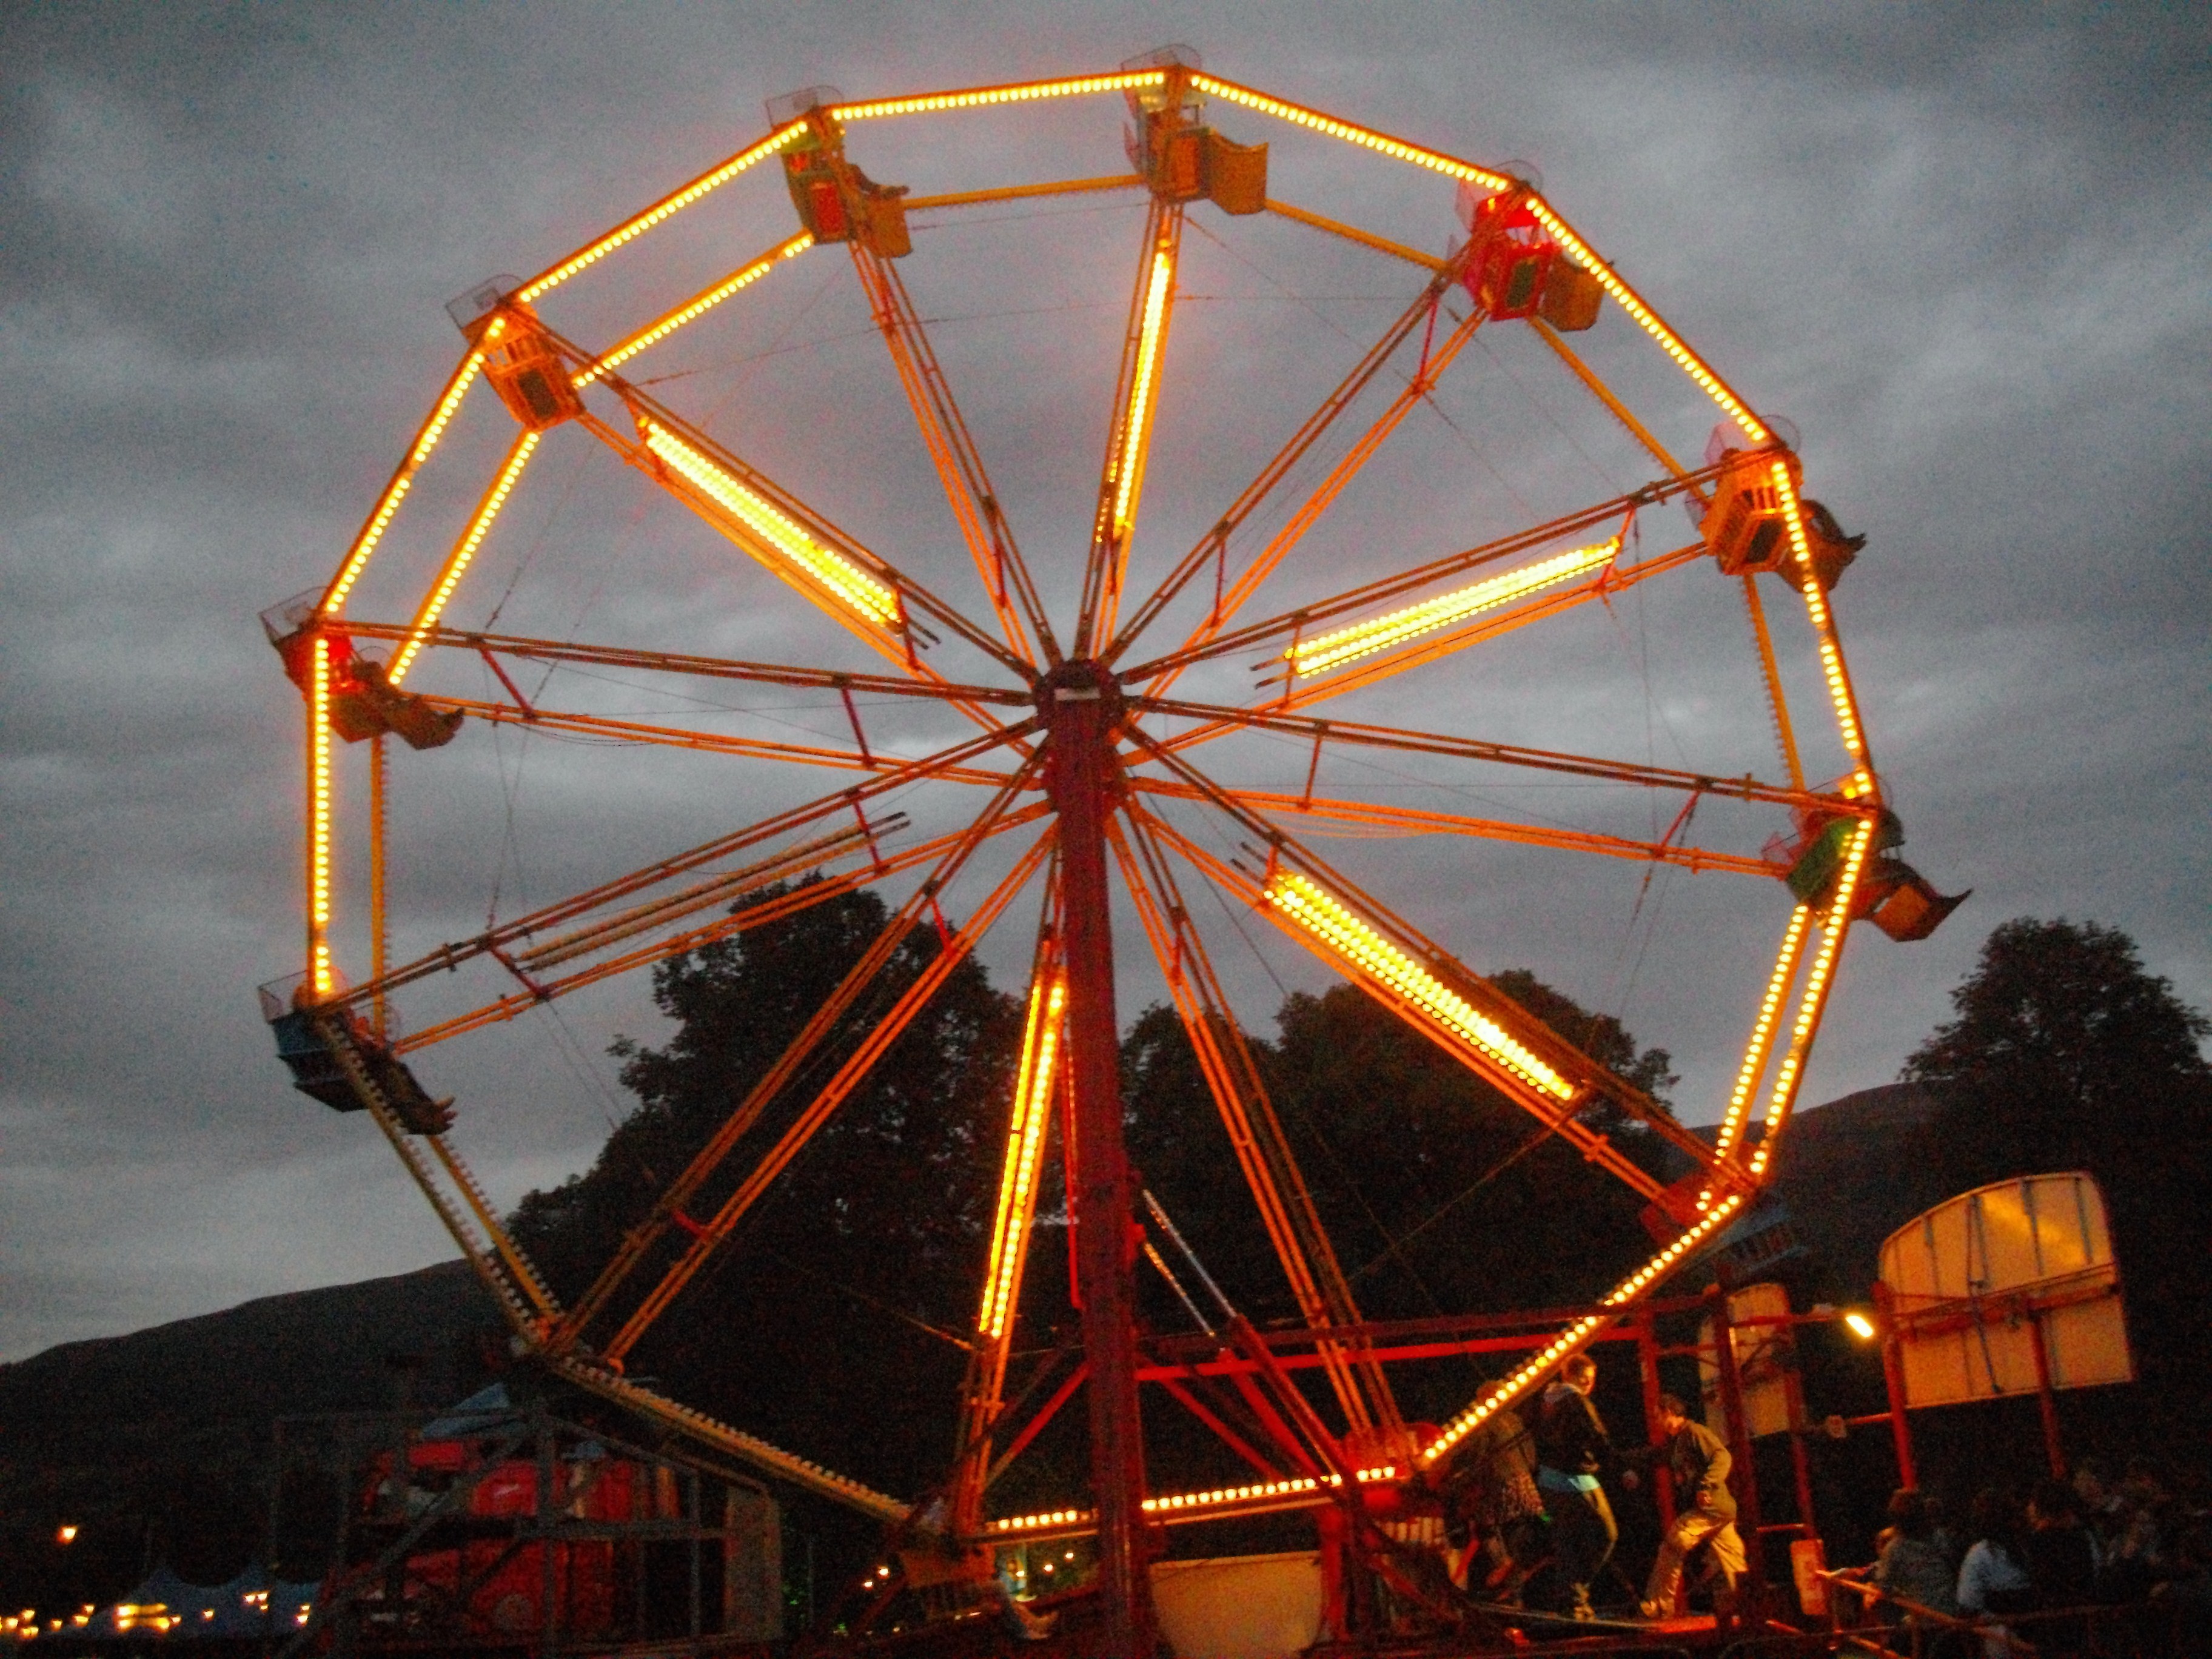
(1963, 247)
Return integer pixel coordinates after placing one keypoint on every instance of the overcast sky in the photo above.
(1964, 249)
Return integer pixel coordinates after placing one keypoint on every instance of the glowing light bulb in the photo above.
(776, 536)
(1343, 644)
(1325, 918)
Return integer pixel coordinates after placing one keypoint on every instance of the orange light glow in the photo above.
(1292, 1486)
(1016, 93)
(396, 492)
(1396, 148)
(655, 333)
(1833, 926)
(1832, 659)
(1024, 1147)
(1762, 1038)
(1343, 644)
(1538, 1366)
(1648, 320)
(1326, 918)
(319, 975)
(65, 1533)
(1861, 1325)
(776, 536)
(464, 550)
(653, 215)
(1217, 1498)
(1129, 461)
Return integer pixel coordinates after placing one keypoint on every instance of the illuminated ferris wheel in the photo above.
(1125, 728)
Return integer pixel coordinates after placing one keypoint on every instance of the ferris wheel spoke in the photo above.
(853, 800)
(1129, 440)
(1322, 910)
(1309, 511)
(1214, 721)
(780, 907)
(540, 719)
(959, 467)
(1212, 553)
(674, 662)
(1347, 659)
(952, 852)
(855, 587)
(1455, 1009)
(1414, 820)
(1263, 1152)
(1037, 1083)
(1307, 627)
(708, 1236)
(1428, 262)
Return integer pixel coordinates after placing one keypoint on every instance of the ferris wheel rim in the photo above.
(1856, 798)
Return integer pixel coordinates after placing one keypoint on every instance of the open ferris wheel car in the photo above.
(1258, 479)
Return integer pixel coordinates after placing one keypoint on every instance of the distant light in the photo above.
(1861, 1325)
(66, 1533)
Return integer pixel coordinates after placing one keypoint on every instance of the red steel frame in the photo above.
(1072, 739)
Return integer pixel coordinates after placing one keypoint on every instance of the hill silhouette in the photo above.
(156, 1444)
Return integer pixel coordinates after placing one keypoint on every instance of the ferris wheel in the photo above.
(1118, 727)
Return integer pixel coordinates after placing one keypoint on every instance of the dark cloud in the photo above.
(1962, 248)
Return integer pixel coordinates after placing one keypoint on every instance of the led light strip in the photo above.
(1128, 463)
(320, 977)
(1648, 320)
(1762, 1036)
(1832, 659)
(656, 332)
(1343, 644)
(843, 579)
(1219, 1497)
(1321, 915)
(1536, 1368)
(1025, 1145)
(1834, 927)
(1017, 92)
(396, 491)
(653, 215)
(1397, 148)
(464, 550)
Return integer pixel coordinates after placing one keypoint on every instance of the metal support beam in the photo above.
(1082, 709)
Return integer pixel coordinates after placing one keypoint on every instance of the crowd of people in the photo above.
(2092, 1541)
(1529, 1517)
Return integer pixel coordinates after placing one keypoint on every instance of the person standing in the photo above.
(1571, 1448)
(1491, 1497)
(1704, 1510)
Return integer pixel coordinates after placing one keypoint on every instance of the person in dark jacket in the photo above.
(1571, 1448)
(1704, 1509)
(2062, 1564)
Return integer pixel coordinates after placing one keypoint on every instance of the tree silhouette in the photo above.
(2066, 1053)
